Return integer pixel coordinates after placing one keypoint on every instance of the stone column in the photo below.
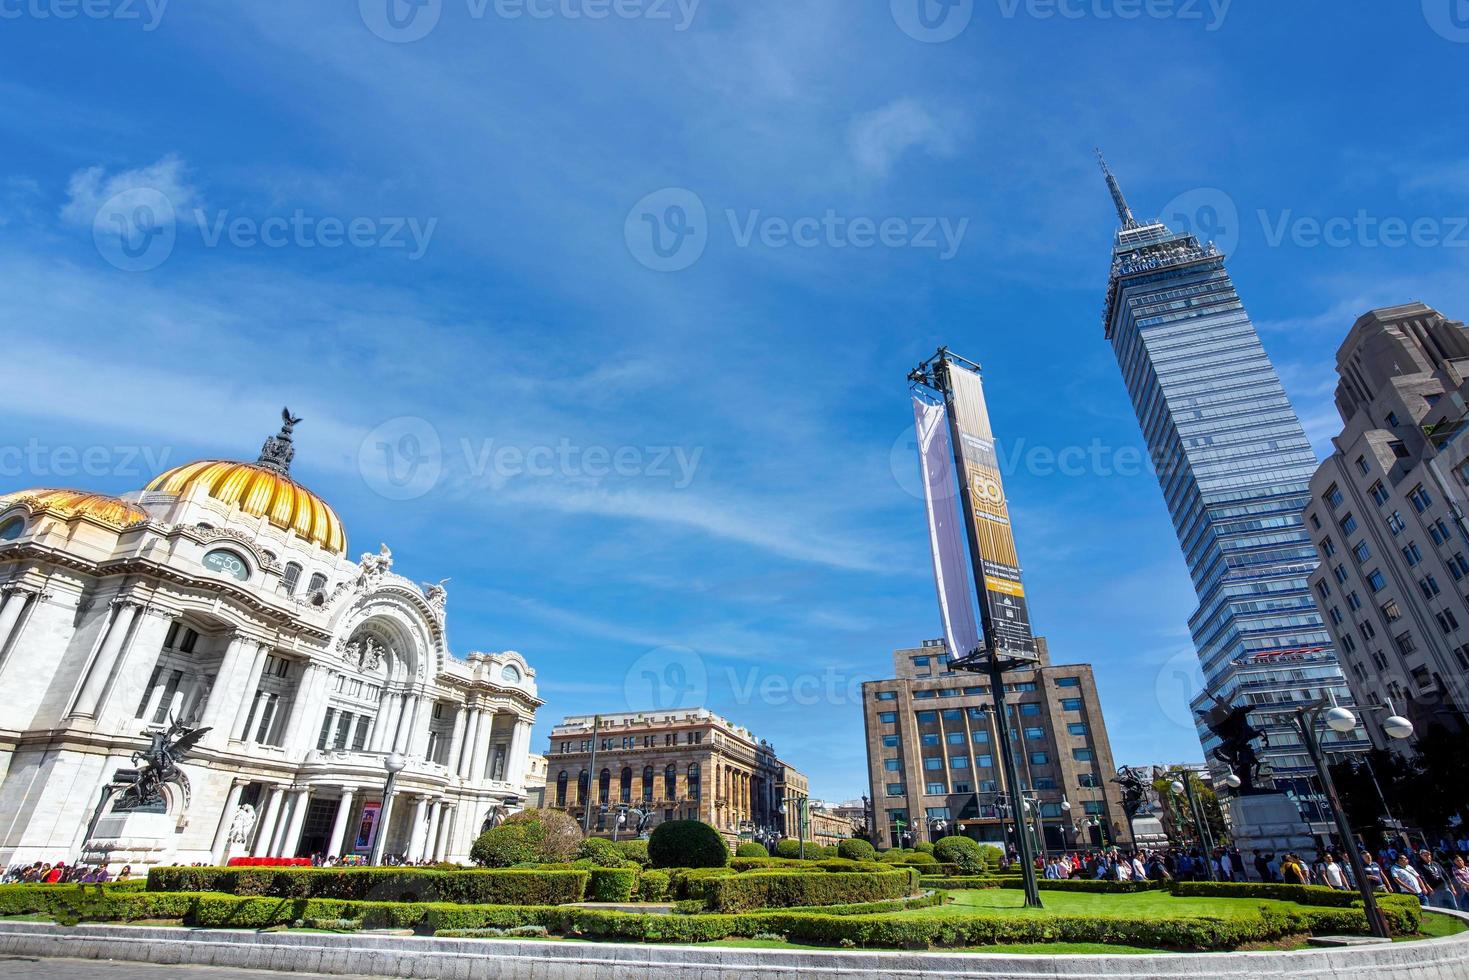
(431, 834)
(416, 829)
(515, 766)
(482, 746)
(292, 839)
(446, 831)
(219, 851)
(126, 610)
(471, 736)
(301, 706)
(339, 825)
(220, 709)
(456, 739)
(247, 692)
(265, 828)
(422, 722)
(15, 604)
(388, 715)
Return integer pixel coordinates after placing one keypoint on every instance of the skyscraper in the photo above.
(1235, 467)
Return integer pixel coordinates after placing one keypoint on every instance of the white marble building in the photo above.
(221, 596)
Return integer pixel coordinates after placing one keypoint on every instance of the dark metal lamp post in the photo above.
(394, 763)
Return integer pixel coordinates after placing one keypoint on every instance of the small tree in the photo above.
(923, 846)
(561, 835)
(751, 850)
(687, 844)
(857, 850)
(602, 851)
(507, 845)
(960, 851)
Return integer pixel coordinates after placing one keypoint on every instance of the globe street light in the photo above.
(1342, 721)
(394, 763)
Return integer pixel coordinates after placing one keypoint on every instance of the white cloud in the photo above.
(91, 188)
(880, 137)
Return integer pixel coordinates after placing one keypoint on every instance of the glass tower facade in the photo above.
(1235, 467)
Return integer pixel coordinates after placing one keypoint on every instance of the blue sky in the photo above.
(688, 459)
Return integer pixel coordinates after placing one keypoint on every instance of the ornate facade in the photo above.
(220, 597)
(671, 765)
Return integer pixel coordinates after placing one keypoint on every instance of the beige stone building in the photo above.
(931, 753)
(1387, 515)
(687, 764)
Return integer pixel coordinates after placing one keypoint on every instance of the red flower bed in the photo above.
(265, 862)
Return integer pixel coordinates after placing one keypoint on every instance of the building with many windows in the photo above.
(931, 742)
(1234, 466)
(1386, 513)
(686, 764)
(221, 598)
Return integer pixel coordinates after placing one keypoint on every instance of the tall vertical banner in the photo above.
(1005, 614)
(945, 529)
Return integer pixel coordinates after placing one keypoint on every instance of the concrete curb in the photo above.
(481, 959)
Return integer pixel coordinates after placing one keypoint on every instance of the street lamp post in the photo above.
(802, 804)
(1201, 830)
(1342, 721)
(394, 763)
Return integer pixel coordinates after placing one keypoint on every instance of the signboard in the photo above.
(951, 570)
(1004, 612)
(367, 827)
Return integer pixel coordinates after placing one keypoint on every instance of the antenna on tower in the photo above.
(1124, 213)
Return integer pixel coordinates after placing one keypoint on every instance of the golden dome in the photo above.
(262, 492)
(67, 504)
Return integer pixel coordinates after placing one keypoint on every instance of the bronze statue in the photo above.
(166, 748)
(1231, 723)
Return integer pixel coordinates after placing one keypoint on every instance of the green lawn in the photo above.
(1435, 926)
(1135, 905)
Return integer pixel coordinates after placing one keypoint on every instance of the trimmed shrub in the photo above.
(72, 903)
(857, 850)
(689, 883)
(751, 850)
(687, 844)
(612, 884)
(505, 887)
(603, 853)
(787, 889)
(653, 885)
(787, 847)
(960, 851)
(970, 881)
(507, 845)
(991, 855)
(923, 847)
(635, 850)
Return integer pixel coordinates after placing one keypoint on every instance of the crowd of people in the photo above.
(61, 873)
(1437, 877)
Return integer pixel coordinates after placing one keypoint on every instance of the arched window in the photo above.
(583, 787)
(318, 583)
(604, 786)
(693, 780)
(291, 577)
(561, 781)
(670, 783)
(625, 785)
(647, 782)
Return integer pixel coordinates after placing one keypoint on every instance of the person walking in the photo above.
(1408, 880)
(1332, 874)
(1293, 872)
(1459, 872)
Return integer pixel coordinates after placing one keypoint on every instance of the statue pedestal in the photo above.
(1150, 833)
(1271, 824)
(136, 838)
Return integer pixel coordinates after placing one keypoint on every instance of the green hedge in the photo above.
(98, 903)
(497, 887)
(653, 885)
(960, 882)
(612, 884)
(1102, 886)
(786, 889)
